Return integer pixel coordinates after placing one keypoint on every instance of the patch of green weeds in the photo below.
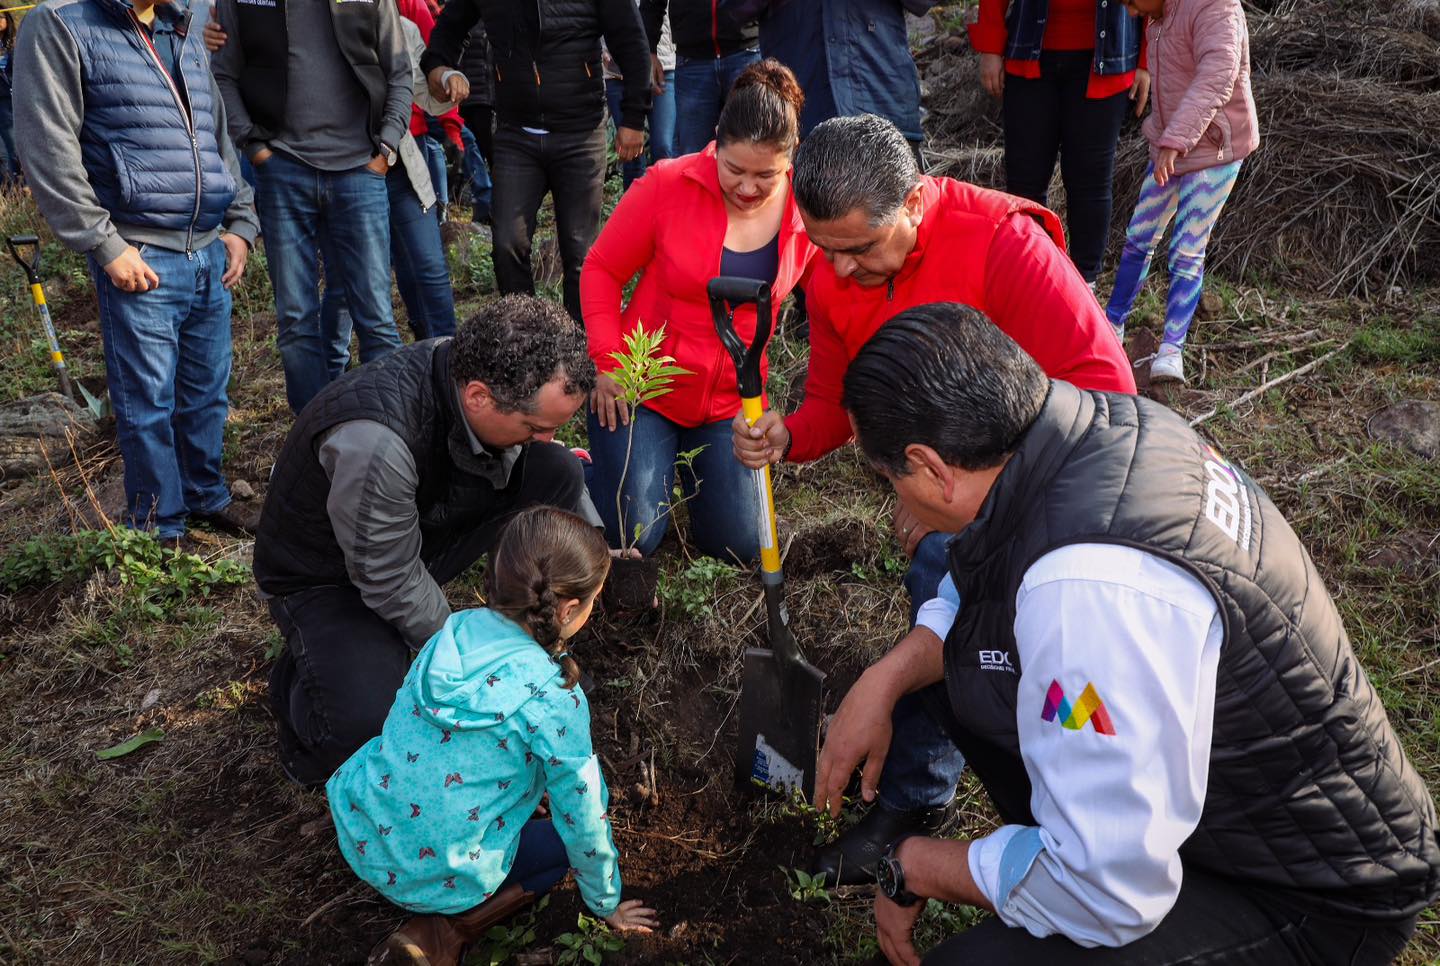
(807, 888)
(692, 592)
(591, 942)
(1388, 341)
(501, 943)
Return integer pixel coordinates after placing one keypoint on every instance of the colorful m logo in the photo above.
(1089, 708)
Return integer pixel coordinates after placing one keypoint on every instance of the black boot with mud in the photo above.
(850, 859)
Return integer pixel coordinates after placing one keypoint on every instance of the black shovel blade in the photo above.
(780, 707)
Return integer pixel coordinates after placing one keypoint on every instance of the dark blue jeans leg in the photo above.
(434, 153)
(630, 171)
(335, 330)
(201, 375)
(662, 121)
(290, 205)
(418, 254)
(355, 243)
(724, 511)
(540, 859)
(10, 164)
(478, 173)
(647, 480)
(923, 766)
(141, 336)
(697, 104)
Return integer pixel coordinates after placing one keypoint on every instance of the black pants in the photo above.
(571, 167)
(1050, 116)
(1214, 921)
(479, 118)
(336, 680)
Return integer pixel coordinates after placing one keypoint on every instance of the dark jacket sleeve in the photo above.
(652, 12)
(744, 11)
(452, 31)
(625, 39)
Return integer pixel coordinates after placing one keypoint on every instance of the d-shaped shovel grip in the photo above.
(728, 293)
(31, 264)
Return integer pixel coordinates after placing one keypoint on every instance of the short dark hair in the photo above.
(517, 344)
(943, 375)
(763, 107)
(862, 161)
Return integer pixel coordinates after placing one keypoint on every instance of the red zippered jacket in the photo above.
(671, 226)
(422, 16)
(994, 252)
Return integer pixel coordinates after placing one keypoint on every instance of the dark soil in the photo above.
(832, 547)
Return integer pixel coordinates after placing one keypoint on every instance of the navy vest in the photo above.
(149, 162)
(1309, 789)
(1117, 35)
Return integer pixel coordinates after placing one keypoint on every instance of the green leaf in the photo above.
(591, 956)
(146, 737)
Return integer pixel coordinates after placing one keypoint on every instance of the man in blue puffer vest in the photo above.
(122, 134)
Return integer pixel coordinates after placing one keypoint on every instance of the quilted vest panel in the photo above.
(142, 161)
(1309, 789)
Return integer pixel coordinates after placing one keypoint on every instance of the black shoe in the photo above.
(233, 519)
(850, 859)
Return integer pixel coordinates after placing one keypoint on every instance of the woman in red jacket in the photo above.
(727, 210)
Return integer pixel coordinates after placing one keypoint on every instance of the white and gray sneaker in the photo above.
(1119, 332)
(1169, 364)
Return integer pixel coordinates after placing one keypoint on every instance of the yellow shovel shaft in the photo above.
(37, 292)
(753, 409)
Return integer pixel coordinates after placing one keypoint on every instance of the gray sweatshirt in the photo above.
(49, 111)
(326, 110)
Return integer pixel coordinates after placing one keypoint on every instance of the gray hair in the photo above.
(846, 163)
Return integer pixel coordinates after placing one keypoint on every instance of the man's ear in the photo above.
(931, 469)
(915, 204)
(476, 398)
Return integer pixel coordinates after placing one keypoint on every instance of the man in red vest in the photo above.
(894, 239)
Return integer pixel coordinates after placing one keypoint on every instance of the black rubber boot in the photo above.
(850, 859)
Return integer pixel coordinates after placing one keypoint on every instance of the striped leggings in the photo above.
(1194, 200)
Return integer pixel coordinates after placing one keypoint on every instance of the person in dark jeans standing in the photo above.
(550, 103)
(392, 482)
(1065, 71)
(318, 97)
(712, 48)
(10, 164)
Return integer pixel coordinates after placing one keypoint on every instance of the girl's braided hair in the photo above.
(543, 556)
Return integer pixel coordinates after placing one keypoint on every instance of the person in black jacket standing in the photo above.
(712, 48)
(550, 108)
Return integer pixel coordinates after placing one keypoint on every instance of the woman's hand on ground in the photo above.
(607, 405)
(992, 74)
(633, 916)
(762, 444)
(1165, 165)
(895, 929)
(1140, 91)
(908, 529)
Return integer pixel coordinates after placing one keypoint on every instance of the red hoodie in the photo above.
(421, 15)
(671, 226)
(997, 253)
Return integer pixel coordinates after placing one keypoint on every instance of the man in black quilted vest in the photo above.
(393, 481)
(1138, 659)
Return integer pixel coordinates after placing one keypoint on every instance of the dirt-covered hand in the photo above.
(1165, 165)
(992, 74)
(215, 36)
(859, 732)
(129, 272)
(1140, 91)
(762, 444)
(633, 915)
(628, 143)
(237, 252)
(607, 405)
(895, 929)
(908, 528)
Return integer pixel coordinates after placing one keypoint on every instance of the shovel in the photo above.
(31, 266)
(780, 692)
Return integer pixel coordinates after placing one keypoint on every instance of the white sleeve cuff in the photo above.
(938, 614)
(985, 856)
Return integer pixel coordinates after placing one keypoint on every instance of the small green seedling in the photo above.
(805, 887)
(591, 942)
(501, 943)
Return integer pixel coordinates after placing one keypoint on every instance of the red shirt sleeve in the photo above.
(1035, 294)
(821, 424)
(988, 34)
(625, 246)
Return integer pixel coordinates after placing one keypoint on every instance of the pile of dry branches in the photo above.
(1344, 193)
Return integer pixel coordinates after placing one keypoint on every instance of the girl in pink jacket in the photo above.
(1202, 124)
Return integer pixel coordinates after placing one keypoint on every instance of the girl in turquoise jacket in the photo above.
(435, 812)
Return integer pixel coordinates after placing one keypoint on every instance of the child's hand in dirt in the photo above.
(632, 916)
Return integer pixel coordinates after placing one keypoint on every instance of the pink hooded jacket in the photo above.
(1200, 100)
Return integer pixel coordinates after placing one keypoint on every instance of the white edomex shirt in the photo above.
(1118, 649)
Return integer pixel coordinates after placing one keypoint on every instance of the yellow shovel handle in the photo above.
(753, 409)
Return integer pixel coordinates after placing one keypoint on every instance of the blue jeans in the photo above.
(660, 120)
(10, 163)
(701, 87)
(540, 861)
(434, 153)
(345, 217)
(724, 511)
(421, 274)
(923, 765)
(479, 175)
(167, 362)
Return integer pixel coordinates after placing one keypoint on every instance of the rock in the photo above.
(1412, 423)
(33, 433)
(1211, 307)
(241, 490)
(151, 696)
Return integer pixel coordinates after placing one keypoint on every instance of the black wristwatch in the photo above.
(890, 876)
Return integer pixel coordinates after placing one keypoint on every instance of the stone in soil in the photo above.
(1412, 423)
(33, 433)
(241, 490)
